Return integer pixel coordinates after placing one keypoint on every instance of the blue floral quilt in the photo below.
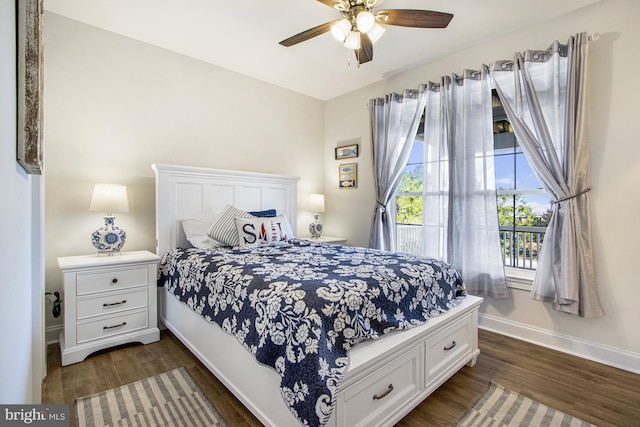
(300, 307)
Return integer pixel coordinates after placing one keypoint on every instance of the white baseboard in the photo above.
(52, 334)
(618, 358)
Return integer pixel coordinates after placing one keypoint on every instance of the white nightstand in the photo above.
(326, 239)
(108, 301)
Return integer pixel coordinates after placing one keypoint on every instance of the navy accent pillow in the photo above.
(264, 214)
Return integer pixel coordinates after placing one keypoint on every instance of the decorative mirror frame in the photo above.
(30, 85)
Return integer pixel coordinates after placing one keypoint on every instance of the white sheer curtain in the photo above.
(543, 93)
(394, 124)
(460, 215)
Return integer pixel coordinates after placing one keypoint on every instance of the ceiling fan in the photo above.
(360, 25)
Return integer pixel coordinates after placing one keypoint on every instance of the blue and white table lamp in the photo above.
(109, 198)
(316, 205)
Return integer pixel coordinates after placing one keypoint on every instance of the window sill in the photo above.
(519, 279)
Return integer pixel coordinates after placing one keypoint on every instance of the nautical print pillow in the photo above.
(254, 232)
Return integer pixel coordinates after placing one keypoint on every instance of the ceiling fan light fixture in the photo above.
(376, 32)
(341, 5)
(365, 21)
(353, 40)
(341, 29)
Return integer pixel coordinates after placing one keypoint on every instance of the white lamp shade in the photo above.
(316, 202)
(109, 198)
(365, 21)
(376, 32)
(353, 40)
(340, 29)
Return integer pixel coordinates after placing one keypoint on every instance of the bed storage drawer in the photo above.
(372, 399)
(451, 344)
(112, 280)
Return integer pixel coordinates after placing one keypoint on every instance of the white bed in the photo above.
(386, 379)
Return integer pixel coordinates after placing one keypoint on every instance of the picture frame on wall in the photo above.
(346, 152)
(348, 175)
(29, 149)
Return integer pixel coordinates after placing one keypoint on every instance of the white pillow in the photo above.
(223, 229)
(287, 225)
(196, 232)
(269, 231)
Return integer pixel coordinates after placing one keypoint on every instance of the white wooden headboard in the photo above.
(186, 192)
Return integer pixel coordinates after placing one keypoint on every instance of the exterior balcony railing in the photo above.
(408, 238)
(520, 245)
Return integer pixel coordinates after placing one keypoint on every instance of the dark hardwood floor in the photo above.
(599, 394)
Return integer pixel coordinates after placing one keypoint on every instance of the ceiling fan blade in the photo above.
(413, 18)
(365, 53)
(308, 34)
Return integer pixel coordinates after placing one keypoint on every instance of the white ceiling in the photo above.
(243, 36)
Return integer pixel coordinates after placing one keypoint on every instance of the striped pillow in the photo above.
(224, 228)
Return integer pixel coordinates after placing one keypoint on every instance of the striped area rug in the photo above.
(503, 407)
(169, 399)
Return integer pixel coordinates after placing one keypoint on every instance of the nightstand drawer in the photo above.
(112, 302)
(112, 325)
(113, 279)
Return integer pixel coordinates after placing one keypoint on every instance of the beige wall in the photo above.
(114, 106)
(21, 353)
(615, 173)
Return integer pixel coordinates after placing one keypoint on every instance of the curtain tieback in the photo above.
(380, 206)
(585, 191)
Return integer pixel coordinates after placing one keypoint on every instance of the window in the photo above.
(523, 206)
(409, 202)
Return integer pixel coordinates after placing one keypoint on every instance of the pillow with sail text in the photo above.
(254, 232)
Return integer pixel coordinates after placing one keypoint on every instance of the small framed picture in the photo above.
(348, 175)
(347, 152)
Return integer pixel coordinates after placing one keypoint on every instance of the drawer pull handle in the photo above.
(389, 390)
(110, 304)
(114, 326)
(450, 346)
(114, 280)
